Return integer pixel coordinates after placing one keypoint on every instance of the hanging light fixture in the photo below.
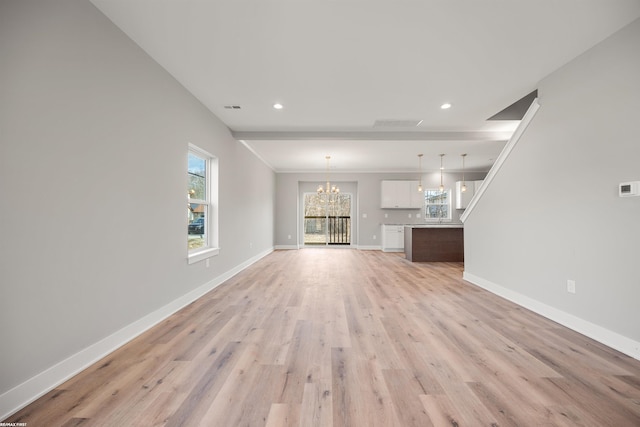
(329, 188)
(441, 169)
(420, 169)
(464, 185)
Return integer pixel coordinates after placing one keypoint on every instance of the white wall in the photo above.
(93, 148)
(553, 213)
(367, 201)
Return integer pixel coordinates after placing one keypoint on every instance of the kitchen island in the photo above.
(434, 243)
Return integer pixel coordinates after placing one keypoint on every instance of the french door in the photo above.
(327, 219)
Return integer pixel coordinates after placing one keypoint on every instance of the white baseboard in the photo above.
(286, 247)
(605, 336)
(362, 248)
(369, 248)
(35, 387)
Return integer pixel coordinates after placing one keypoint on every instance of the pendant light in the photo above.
(329, 189)
(420, 170)
(441, 169)
(464, 185)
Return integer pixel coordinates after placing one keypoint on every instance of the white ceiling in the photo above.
(338, 66)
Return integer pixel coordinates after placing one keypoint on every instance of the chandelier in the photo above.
(329, 189)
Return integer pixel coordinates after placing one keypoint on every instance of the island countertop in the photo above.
(434, 243)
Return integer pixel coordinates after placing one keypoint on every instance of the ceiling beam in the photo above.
(375, 136)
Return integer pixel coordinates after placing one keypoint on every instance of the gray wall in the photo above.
(93, 152)
(290, 187)
(553, 213)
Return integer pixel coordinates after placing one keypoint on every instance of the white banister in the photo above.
(526, 119)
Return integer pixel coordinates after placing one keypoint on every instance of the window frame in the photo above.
(426, 205)
(210, 247)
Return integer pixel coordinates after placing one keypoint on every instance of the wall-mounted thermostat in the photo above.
(628, 189)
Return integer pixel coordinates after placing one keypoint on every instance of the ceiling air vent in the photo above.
(392, 123)
(232, 107)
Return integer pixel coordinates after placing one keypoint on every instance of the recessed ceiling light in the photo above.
(278, 106)
(445, 106)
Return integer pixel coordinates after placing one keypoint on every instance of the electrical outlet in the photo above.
(207, 262)
(374, 237)
(289, 236)
(571, 286)
(364, 215)
(386, 215)
(409, 215)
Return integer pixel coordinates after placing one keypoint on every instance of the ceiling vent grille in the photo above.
(393, 123)
(232, 107)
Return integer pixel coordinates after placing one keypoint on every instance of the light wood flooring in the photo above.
(340, 337)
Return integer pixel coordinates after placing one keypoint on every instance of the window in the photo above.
(327, 219)
(202, 192)
(437, 205)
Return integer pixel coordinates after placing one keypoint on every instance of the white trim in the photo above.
(450, 206)
(524, 123)
(258, 156)
(591, 330)
(330, 247)
(369, 248)
(286, 247)
(388, 135)
(35, 387)
(192, 258)
(211, 205)
(301, 217)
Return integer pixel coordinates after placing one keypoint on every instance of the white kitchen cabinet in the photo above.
(463, 198)
(393, 238)
(400, 195)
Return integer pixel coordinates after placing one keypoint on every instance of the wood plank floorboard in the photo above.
(347, 338)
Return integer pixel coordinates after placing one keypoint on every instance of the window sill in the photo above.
(202, 255)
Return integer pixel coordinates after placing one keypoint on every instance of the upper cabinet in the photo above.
(401, 195)
(464, 197)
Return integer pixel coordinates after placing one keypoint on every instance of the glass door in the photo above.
(327, 219)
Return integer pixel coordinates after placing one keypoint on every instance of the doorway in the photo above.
(327, 219)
